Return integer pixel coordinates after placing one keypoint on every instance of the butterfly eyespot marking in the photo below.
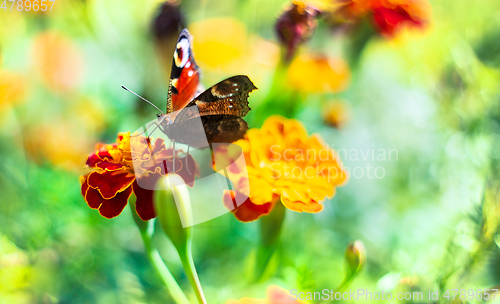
(181, 55)
(188, 64)
(190, 73)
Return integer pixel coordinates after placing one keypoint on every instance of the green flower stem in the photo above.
(281, 98)
(354, 260)
(188, 263)
(147, 230)
(358, 43)
(173, 207)
(347, 280)
(270, 227)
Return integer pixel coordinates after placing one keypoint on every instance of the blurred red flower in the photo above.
(115, 166)
(390, 15)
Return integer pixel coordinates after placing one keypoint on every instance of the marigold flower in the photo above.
(275, 295)
(115, 166)
(296, 26)
(284, 164)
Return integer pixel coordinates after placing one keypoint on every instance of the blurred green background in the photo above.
(431, 94)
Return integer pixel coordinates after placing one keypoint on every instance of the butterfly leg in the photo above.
(145, 131)
(173, 150)
(187, 160)
(158, 125)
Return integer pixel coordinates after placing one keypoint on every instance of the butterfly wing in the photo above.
(220, 109)
(184, 76)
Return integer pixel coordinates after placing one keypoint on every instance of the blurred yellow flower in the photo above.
(11, 88)
(275, 295)
(222, 47)
(336, 113)
(318, 74)
(58, 61)
(219, 43)
(284, 164)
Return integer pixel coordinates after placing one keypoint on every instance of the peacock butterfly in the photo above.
(219, 109)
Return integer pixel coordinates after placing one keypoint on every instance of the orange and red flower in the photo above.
(115, 167)
(283, 163)
(388, 16)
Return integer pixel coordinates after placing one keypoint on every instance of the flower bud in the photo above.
(168, 22)
(173, 208)
(296, 26)
(355, 257)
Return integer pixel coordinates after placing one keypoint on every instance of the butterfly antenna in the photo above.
(126, 89)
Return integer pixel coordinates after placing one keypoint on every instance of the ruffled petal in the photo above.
(109, 166)
(248, 211)
(109, 183)
(144, 204)
(298, 206)
(101, 155)
(113, 207)
(93, 198)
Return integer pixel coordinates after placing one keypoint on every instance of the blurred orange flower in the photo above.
(336, 113)
(113, 180)
(284, 164)
(58, 61)
(319, 74)
(11, 88)
(77, 132)
(275, 295)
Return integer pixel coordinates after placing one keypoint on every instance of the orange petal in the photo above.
(312, 207)
(248, 211)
